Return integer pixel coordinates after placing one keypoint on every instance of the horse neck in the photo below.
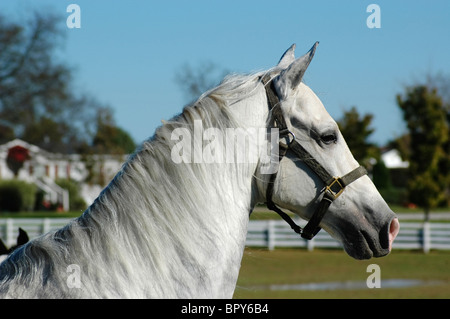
(187, 221)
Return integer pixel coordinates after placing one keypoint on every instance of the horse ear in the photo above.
(287, 58)
(22, 238)
(291, 77)
(3, 249)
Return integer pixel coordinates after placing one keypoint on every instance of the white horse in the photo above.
(171, 228)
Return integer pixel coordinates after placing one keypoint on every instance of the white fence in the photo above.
(277, 233)
(9, 227)
(262, 233)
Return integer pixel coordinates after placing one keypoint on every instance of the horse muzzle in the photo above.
(368, 243)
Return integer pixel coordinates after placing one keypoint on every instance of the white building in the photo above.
(392, 159)
(43, 168)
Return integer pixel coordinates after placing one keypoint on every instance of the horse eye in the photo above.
(328, 138)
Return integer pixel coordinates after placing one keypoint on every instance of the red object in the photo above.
(17, 155)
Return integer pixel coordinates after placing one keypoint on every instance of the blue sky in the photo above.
(126, 53)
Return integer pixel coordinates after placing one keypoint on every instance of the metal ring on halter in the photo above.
(285, 133)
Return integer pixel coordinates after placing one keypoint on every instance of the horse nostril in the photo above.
(388, 234)
(394, 228)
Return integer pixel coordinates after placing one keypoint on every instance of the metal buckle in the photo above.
(333, 193)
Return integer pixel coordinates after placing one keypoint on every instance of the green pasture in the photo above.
(261, 268)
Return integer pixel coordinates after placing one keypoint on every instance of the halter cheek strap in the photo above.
(334, 186)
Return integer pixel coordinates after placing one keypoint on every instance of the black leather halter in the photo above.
(334, 186)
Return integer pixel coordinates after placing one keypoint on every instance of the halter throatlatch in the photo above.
(334, 186)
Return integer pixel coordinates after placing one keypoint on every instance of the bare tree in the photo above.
(194, 81)
(37, 100)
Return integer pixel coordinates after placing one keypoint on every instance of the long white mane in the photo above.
(157, 229)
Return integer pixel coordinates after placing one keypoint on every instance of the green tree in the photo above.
(426, 115)
(109, 138)
(6, 133)
(17, 195)
(381, 176)
(47, 134)
(77, 203)
(356, 131)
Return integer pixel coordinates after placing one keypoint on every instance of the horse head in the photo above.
(358, 217)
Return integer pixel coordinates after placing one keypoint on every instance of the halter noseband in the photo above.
(334, 186)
